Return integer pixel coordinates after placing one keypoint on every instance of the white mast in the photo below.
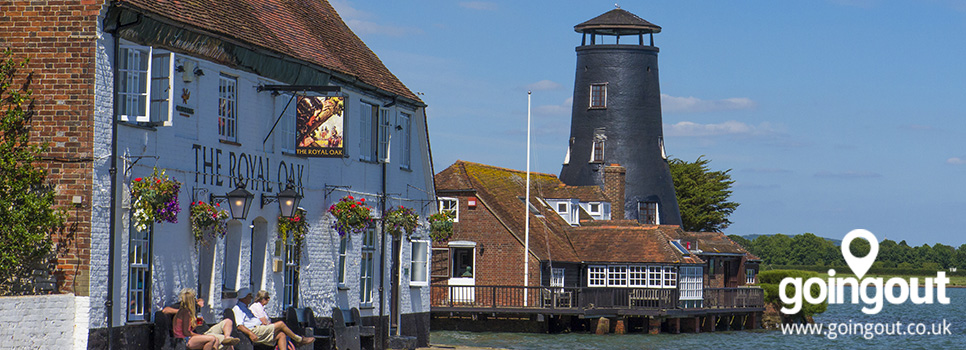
(526, 211)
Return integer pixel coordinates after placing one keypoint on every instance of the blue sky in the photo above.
(833, 115)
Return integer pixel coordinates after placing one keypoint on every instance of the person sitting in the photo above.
(258, 306)
(274, 334)
(185, 318)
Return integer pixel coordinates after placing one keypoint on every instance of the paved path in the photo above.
(454, 347)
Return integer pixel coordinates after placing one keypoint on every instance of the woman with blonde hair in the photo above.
(258, 306)
(184, 325)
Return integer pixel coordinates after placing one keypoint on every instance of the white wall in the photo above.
(43, 322)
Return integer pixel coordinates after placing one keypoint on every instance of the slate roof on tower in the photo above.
(618, 21)
(307, 30)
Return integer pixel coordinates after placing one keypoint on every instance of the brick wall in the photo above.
(614, 177)
(59, 38)
(41, 322)
(499, 256)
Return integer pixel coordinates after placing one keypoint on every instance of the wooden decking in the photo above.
(592, 302)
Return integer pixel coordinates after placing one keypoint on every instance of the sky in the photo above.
(832, 115)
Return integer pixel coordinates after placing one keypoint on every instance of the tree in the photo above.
(702, 195)
(27, 216)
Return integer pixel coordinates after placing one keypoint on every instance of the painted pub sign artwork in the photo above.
(319, 126)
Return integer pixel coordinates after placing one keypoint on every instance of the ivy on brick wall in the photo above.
(27, 216)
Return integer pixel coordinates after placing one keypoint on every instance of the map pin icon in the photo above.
(860, 266)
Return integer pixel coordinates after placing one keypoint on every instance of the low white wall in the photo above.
(41, 322)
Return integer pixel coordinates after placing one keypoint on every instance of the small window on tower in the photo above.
(647, 213)
(597, 153)
(598, 95)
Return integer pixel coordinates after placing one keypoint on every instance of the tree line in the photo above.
(811, 250)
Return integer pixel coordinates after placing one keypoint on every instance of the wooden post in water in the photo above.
(619, 326)
(654, 325)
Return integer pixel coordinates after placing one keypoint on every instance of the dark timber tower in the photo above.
(617, 116)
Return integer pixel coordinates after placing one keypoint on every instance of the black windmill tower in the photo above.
(617, 116)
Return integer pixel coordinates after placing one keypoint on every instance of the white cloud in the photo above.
(564, 108)
(478, 5)
(544, 85)
(730, 127)
(848, 174)
(956, 160)
(360, 22)
(673, 104)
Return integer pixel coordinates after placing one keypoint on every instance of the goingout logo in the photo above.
(833, 289)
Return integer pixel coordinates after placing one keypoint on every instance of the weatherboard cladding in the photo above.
(552, 238)
(305, 30)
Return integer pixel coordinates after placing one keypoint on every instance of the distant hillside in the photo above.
(836, 242)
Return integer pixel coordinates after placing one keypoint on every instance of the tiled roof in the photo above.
(307, 30)
(552, 238)
(618, 20)
(714, 242)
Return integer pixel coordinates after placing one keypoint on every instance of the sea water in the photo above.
(932, 316)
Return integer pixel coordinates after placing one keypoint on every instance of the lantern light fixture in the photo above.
(288, 201)
(239, 201)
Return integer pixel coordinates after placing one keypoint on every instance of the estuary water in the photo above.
(846, 317)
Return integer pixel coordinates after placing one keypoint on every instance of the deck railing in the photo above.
(516, 297)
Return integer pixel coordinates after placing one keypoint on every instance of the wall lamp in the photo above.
(199, 72)
(239, 201)
(288, 200)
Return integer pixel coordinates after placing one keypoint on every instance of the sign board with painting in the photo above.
(319, 126)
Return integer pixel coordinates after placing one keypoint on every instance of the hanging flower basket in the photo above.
(296, 224)
(155, 199)
(400, 219)
(208, 220)
(441, 227)
(351, 215)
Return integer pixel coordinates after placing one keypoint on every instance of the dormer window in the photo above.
(647, 213)
(562, 208)
(594, 208)
(451, 206)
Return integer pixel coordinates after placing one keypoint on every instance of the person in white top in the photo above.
(258, 306)
(274, 334)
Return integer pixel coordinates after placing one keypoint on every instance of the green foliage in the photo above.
(208, 219)
(702, 195)
(351, 215)
(770, 280)
(296, 225)
(27, 217)
(441, 226)
(155, 199)
(401, 219)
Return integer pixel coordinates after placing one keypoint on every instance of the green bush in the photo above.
(770, 280)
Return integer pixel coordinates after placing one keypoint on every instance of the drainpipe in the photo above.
(109, 303)
(382, 257)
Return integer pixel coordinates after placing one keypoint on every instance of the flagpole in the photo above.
(526, 211)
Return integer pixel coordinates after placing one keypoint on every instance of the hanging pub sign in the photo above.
(319, 126)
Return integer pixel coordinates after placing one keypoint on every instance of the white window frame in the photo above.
(161, 89)
(419, 264)
(596, 276)
(557, 277)
(603, 98)
(565, 206)
(637, 276)
(366, 267)
(368, 124)
(455, 209)
(691, 283)
(288, 131)
(133, 105)
(590, 208)
(657, 212)
(139, 273)
(617, 276)
(655, 276)
(384, 135)
(750, 276)
(405, 159)
(228, 107)
(670, 277)
(600, 141)
(340, 272)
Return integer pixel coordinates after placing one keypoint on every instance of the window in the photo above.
(365, 273)
(660, 143)
(227, 113)
(343, 247)
(556, 277)
(596, 276)
(637, 276)
(367, 131)
(750, 276)
(139, 274)
(598, 95)
(384, 135)
(405, 140)
(162, 94)
(670, 277)
(419, 275)
(594, 208)
(647, 213)
(463, 262)
(597, 153)
(287, 128)
(617, 276)
(711, 268)
(691, 284)
(145, 78)
(654, 276)
(450, 205)
(562, 208)
(290, 290)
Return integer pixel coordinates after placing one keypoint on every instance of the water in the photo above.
(953, 314)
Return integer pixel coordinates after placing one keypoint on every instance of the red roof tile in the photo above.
(307, 30)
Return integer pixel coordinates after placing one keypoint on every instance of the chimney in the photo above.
(614, 189)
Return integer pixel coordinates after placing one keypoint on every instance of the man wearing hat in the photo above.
(274, 334)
